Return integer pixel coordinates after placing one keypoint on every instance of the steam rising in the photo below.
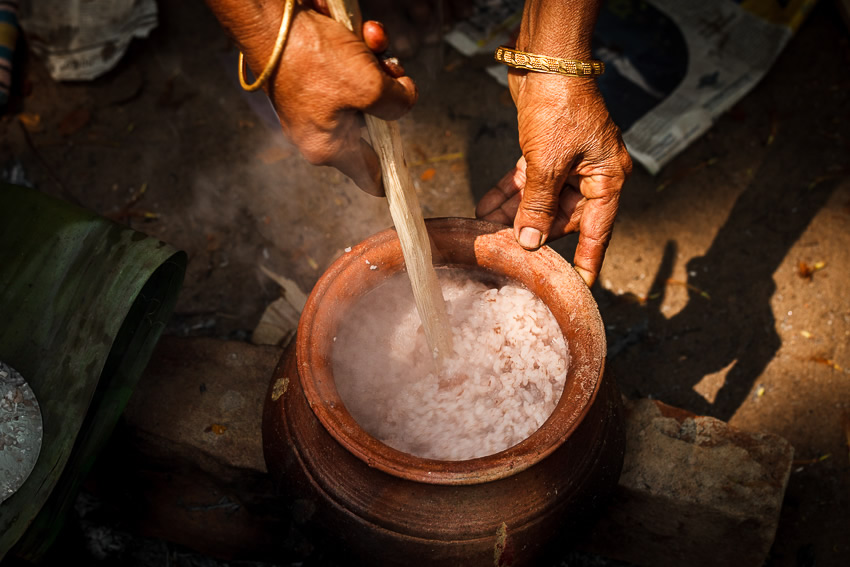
(504, 380)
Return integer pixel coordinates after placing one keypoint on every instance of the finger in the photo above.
(375, 36)
(596, 226)
(570, 207)
(539, 206)
(505, 190)
(405, 34)
(391, 66)
(321, 6)
(395, 98)
(377, 41)
(358, 160)
(505, 213)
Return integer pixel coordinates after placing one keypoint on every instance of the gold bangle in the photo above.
(275, 58)
(544, 64)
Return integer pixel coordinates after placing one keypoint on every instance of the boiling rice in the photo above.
(502, 383)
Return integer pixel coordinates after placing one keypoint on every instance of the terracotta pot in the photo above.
(381, 506)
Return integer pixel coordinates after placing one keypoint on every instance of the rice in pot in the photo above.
(503, 381)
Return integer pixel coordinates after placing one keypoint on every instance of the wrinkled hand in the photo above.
(573, 166)
(326, 78)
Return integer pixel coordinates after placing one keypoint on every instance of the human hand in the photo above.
(416, 24)
(326, 79)
(573, 166)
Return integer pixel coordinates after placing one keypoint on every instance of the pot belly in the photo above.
(370, 516)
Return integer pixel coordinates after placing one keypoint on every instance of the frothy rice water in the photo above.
(502, 383)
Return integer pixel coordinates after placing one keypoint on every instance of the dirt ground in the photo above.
(703, 291)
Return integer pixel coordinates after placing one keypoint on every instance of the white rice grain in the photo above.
(504, 380)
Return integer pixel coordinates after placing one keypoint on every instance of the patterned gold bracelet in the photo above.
(276, 52)
(544, 64)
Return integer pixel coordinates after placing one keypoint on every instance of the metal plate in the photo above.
(20, 431)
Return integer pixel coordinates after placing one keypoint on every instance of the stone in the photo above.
(693, 491)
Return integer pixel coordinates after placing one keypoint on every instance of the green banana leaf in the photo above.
(83, 301)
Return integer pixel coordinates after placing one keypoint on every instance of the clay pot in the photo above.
(381, 506)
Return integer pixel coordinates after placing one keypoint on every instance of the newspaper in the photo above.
(672, 66)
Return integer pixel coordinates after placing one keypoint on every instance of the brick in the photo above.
(206, 396)
(693, 491)
(190, 448)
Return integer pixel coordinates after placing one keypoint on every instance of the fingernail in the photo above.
(392, 66)
(530, 238)
(585, 275)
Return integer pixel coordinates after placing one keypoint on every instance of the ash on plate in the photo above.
(20, 431)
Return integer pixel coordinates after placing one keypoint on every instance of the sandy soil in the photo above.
(702, 291)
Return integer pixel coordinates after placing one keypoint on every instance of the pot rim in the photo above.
(314, 366)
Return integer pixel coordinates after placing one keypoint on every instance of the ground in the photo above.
(724, 290)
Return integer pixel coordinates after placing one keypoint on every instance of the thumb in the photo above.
(358, 160)
(538, 206)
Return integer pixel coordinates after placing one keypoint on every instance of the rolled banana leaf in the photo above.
(83, 301)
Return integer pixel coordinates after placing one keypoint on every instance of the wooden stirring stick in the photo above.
(405, 211)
